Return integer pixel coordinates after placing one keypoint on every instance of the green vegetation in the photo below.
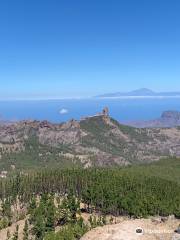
(36, 156)
(97, 128)
(136, 191)
(139, 134)
(94, 124)
(15, 236)
(69, 232)
(52, 211)
(25, 231)
(106, 137)
(101, 141)
(48, 188)
(43, 217)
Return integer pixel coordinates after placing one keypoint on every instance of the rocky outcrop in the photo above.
(105, 111)
(68, 133)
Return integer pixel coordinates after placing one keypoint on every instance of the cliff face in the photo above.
(94, 141)
(171, 115)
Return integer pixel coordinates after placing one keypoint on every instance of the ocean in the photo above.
(62, 110)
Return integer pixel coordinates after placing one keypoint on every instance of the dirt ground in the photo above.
(12, 229)
(126, 230)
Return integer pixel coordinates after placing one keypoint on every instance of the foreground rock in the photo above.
(127, 230)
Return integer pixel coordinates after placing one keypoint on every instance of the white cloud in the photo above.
(63, 111)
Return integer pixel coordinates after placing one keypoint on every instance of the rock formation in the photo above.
(105, 111)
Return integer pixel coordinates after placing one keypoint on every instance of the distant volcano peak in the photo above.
(142, 92)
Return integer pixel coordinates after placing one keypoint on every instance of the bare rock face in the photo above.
(45, 124)
(67, 133)
(10, 139)
(55, 138)
(72, 124)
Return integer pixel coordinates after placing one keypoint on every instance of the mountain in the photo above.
(168, 119)
(143, 92)
(94, 141)
(42, 173)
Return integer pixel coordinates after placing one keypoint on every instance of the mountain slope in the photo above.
(94, 141)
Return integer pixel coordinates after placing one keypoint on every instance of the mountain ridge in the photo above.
(98, 141)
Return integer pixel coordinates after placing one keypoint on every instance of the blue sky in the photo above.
(80, 48)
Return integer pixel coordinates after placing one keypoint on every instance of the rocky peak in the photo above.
(45, 124)
(105, 111)
(72, 124)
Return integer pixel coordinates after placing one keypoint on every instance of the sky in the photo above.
(81, 48)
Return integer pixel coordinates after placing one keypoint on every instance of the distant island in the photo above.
(168, 119)
(142, 92)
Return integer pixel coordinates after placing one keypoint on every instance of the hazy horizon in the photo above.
(38, 98)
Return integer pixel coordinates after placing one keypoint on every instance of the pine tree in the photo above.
(39, 227)
(6, 209)
(15, 235)
(25, 231)
(73, 206)
(8, 235)
(50, 215)
(32, 205)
